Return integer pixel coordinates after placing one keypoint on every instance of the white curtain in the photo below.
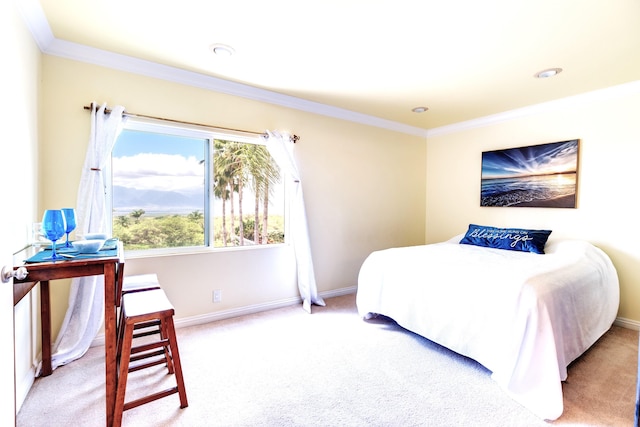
(86, 300)
(280, 146)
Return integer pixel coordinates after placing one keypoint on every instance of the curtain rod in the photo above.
(295, 138)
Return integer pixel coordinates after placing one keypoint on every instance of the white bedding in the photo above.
(523, 316)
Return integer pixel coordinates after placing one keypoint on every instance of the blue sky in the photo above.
(553, 158)
(132, 142)
(155, 162)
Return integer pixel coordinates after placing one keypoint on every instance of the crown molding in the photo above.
(77, 52)
(37, 23)
(599, 95)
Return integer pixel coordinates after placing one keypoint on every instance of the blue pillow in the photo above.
(513, 239)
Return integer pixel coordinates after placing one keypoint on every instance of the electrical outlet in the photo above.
(217, 295)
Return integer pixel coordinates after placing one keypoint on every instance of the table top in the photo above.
(90, 262)
(37, 253)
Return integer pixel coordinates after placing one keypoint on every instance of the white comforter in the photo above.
(523, 316)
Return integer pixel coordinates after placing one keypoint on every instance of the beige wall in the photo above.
(607, 212)
(364, 187)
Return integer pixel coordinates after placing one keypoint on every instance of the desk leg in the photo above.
(110, 338)
(45, 325)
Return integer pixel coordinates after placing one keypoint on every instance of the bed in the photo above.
(524, 316)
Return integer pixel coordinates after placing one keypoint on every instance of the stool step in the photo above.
(150, 346)
(140, 282)
(141, 278)
(146, 306)
(146, 365)
(148, 324)
(151, 398)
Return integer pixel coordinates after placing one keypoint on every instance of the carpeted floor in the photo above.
(288, 368)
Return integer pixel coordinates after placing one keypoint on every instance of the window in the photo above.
(186, 187)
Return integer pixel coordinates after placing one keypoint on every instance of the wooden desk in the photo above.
(112, 270)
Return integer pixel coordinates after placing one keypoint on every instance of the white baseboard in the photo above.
(242, 311)
(627, 323)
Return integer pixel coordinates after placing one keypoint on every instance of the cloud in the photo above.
(163, 172)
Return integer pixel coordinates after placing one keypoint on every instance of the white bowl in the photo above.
(95, 236)
(88, 246)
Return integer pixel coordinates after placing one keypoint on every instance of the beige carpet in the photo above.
(288, 368)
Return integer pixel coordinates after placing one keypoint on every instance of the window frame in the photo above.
(188, 130)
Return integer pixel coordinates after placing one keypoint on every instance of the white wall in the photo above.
(606, 122)
(19, 118)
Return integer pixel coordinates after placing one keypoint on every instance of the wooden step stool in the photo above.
(140, 283)
(140, 308)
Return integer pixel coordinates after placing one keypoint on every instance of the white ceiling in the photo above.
(464, 59)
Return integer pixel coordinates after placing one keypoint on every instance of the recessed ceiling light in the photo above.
(222, 49)
(419, 109)
(549, 72)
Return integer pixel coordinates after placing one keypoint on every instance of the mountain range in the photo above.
(129, 199)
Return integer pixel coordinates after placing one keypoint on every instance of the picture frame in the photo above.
(544, 175)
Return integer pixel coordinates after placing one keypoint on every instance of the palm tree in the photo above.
(197, 217)
(235, 165)
(229, 171)
(136, 214)
(272, 177)
(265, 173)
(248, 164)
(256, 169)
(221, 191)
(223, 183)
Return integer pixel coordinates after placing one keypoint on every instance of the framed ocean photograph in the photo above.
(544, 175)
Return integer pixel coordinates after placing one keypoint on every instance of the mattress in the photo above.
(523, 316)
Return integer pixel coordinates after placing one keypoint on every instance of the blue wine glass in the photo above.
(70, 221)
(53, 226)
